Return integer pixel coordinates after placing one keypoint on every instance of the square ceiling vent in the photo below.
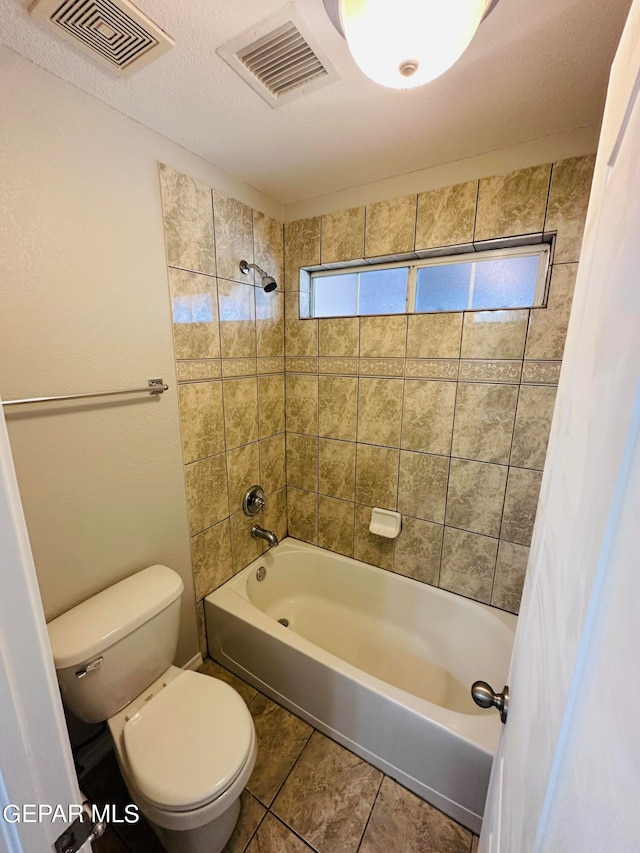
(112, 31)
(280, 59)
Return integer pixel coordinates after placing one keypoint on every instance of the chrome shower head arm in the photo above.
(245, 266)
(267, 281)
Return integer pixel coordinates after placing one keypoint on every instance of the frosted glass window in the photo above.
(335, 295)
(502, 282)
(443, 287)
(378, 291)
(505, 282)
(383, 291)
(483, 280)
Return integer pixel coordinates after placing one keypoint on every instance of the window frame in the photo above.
(413, 265)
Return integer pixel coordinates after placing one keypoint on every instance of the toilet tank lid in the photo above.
(91, 627)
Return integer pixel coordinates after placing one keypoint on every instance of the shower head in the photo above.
(267, 281)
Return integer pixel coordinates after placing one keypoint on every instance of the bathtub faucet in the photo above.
(260, 533)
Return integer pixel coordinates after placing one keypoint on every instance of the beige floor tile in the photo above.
(281, 738)
(251, 813)
(274, 837)
(328, 796)
(210, 667)
(401, 821)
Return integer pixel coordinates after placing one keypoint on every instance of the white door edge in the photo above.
(36, 764)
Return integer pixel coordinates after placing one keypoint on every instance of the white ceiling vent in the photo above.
(280, 59)
(113, 31)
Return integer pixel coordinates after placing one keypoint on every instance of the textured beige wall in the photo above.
(229, 346)
(443, 417)
(84, 306)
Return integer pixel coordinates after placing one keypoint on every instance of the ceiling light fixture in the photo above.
(406, 43)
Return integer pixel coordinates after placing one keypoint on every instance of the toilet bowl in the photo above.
(185, 742)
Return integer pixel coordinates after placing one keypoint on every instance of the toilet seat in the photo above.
(188, 744)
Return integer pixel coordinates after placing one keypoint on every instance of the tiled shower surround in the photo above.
(229, 346)
(443, 417)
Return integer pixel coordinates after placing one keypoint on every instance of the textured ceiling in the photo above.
(535, 68)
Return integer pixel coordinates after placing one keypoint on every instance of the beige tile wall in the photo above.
(230, 370)
(444, 418)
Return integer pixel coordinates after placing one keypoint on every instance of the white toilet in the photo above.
(185, 742)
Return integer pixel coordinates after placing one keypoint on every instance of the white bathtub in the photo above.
(380, 663)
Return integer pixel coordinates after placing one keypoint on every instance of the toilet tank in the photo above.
(108, 649)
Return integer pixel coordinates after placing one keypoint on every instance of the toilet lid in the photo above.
(187, 745)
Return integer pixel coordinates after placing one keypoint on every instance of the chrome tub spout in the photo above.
(260, 533)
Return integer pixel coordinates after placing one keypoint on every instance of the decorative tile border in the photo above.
(490, 371)
(302, 365)
(346, 366)
(238, 367)
(541, 372)
(381, 367)
(192, 371)
(271, 365)
(432, 368)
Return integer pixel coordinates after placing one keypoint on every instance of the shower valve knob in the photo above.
(485, 696)
(254, 500)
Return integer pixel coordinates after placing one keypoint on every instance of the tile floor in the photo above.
(306, 793)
